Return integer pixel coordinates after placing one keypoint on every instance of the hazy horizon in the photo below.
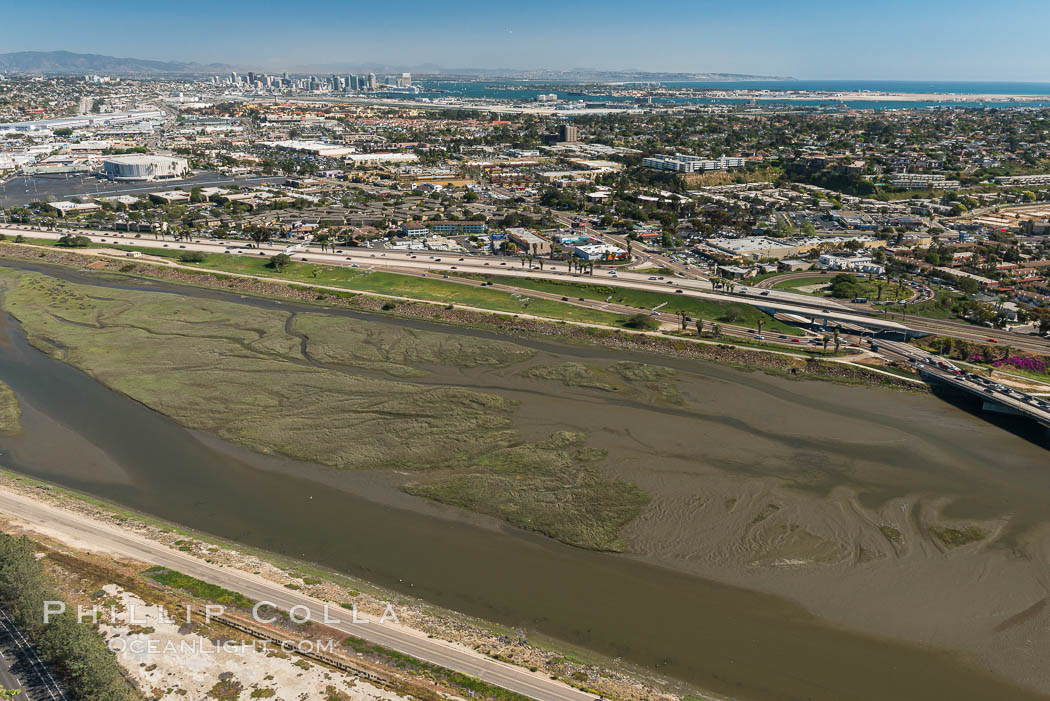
(811, 40)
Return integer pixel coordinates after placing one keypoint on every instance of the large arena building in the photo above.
(145, 168)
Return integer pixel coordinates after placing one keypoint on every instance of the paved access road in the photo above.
(21, 667)
(81, 531)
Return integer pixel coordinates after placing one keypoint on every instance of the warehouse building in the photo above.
(144, 168)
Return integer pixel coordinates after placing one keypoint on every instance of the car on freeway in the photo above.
(565, 299)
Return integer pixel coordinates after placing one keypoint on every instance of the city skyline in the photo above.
(813, 40)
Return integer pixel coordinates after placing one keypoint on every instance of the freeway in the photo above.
(1012, 400)
(80, 531)
(977, 334)
(420, 261)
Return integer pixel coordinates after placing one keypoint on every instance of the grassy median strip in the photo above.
(721, 312)
(197, 588)
(424, 288)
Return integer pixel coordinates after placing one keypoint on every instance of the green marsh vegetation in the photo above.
(336, 391)
(10, 411)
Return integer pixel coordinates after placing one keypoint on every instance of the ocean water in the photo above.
(527, 91)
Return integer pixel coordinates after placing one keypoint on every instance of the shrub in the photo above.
(641, 321)
(70, 241)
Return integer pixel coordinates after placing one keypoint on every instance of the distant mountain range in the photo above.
(64, 62)
(69, 63)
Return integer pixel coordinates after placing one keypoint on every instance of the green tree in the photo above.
(259, 235)
(279, 261)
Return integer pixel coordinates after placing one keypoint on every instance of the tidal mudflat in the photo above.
(880, 512)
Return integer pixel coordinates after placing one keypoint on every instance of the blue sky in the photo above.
(815, 39)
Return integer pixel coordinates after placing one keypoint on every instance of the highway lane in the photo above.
(81, 531)
(488, 265)
(1013, 399)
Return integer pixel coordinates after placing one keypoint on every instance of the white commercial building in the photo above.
(599, 251)
(144, 167)
(860, 264)
(314, 148)
(754, 247)
(684, 163)
(368, 158)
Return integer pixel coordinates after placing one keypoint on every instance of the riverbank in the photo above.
(756, 480)
(421, 619)
(721, 352)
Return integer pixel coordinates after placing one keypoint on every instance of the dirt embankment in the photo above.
(502, 323)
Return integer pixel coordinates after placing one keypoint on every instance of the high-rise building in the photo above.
(372, 82)
(406, 79)
(568, 133)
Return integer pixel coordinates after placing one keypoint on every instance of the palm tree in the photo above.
(838, 341)
(699, 327)
(760, 327)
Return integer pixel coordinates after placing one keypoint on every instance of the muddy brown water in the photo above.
(720, 638)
